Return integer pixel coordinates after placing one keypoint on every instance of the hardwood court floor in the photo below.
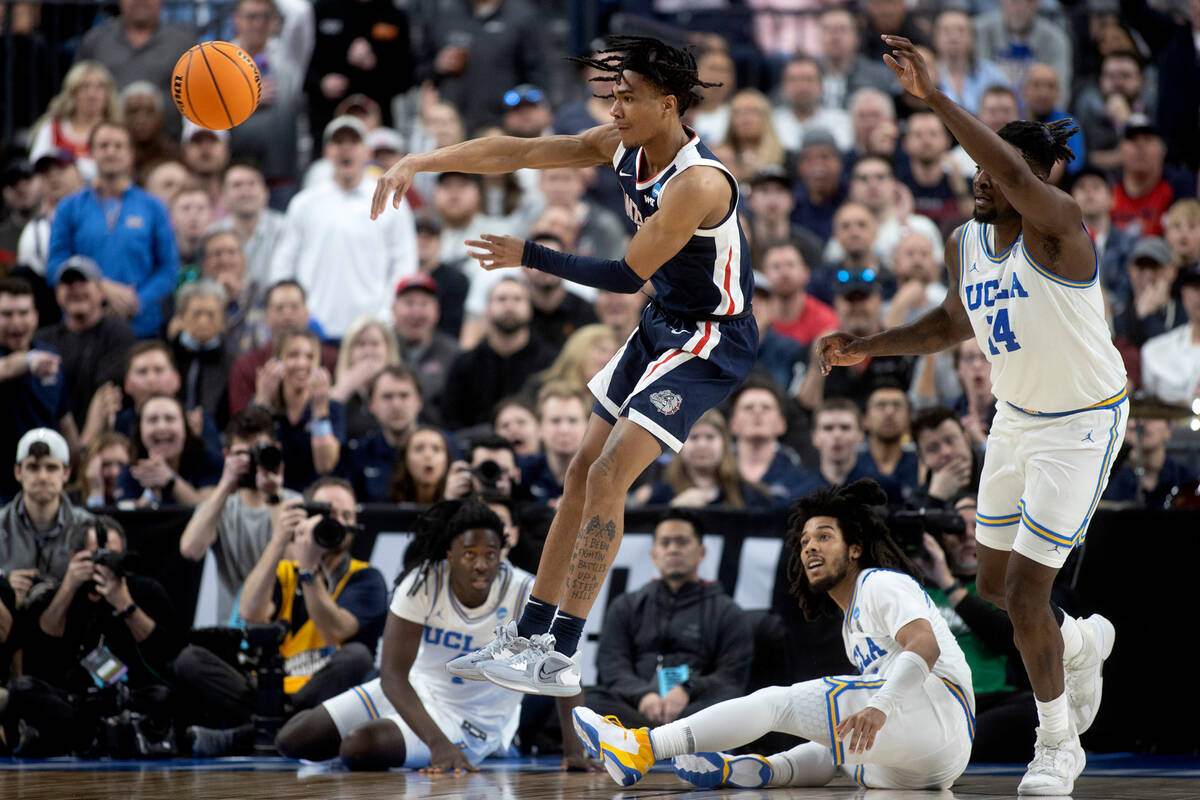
(215, 781)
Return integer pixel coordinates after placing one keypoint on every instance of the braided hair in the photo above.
(853, 507)
(672, 70)
(436, 530)
(1042, 145)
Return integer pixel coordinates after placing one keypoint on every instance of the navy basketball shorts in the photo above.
(670, 371)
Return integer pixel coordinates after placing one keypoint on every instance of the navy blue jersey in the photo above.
(712, 274)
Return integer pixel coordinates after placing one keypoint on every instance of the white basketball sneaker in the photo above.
(709, 770)
(1084, 673)
(1055, 766)
(506, 643)
(538, 669)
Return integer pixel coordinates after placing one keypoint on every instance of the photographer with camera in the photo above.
(33, 526)
(334, 607)
(98, 643)
(235, 520)
(490, 470)
(942, 543)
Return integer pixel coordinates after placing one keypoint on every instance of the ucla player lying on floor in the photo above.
(905, 722)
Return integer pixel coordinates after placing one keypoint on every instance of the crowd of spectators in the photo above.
(210, 319)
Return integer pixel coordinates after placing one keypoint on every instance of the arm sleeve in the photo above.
(615, 660)
(601, 273)
(731, 658)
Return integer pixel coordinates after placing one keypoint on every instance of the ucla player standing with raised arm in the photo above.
(1023, 280)
(695, 344)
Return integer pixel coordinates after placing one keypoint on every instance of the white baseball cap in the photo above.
(48, 436)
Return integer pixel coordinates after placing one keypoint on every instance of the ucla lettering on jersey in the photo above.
(712, 274)
(1046, 337)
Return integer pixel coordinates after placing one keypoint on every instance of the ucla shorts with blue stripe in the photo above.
(669, 372)
(366, 703)
(1043, 477)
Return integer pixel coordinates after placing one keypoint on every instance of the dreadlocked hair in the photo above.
(436, 529)
(1042, 145)
(853, 508)
(670, 69)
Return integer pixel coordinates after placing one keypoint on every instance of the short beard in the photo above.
(986, 217)
(509, 325)
(825, 584)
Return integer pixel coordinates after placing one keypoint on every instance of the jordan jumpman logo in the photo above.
(1088, 438)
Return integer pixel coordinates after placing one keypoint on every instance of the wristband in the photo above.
(950, 589)
(909, 671)
(601, 273)
(322, 427)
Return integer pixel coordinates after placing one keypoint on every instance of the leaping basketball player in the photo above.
(1023, 280)
(695, 344)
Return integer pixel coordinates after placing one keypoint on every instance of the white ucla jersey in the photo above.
(452, 630)
(883, 602)
(1050, 348)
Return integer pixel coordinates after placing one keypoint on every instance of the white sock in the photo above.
(808, 764)
(673, 739)
(1054, 715)
(1072, 638)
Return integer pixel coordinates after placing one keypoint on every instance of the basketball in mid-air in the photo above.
(216, 85)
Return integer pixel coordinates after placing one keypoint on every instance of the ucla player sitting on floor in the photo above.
(1023, 280)
(695, 343)
(905, 722)
(455, 591)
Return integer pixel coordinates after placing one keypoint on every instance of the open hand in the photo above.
(394, 182)
(498, 251)
(909, 66)
(858, 730)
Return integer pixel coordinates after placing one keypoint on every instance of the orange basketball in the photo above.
(216, 85)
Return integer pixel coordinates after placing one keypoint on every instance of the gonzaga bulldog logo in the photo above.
(666, 401)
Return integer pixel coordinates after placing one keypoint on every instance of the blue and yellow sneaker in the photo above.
(625, 753)
(709, 770)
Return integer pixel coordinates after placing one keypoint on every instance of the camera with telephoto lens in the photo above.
(908, 528)
(330, 532)
(265, 455)
(489, 474)
(121, 564)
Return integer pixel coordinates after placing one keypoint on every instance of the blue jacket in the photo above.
(138, 251)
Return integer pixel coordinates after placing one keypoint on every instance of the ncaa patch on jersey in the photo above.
(666, 401)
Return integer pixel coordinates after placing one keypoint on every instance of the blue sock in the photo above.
(567, 629)
(536, 617)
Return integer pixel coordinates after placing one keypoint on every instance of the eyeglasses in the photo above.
(864, 276)
(514, 98)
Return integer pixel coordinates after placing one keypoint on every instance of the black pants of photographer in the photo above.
(218, 695)
(60, 723)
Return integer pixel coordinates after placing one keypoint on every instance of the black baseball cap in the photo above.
(772, 174)
(15, 172)
(468, 176)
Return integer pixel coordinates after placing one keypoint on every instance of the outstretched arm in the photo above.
(944, 326)
(498, 154)
(698, 197)
(1042, 206)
